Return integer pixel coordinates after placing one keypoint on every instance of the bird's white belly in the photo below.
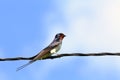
(56, 49)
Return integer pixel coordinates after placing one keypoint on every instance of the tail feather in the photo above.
(23, 66)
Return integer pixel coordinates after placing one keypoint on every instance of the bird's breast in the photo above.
(56, 49)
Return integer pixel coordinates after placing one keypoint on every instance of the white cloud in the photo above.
(101, 33)
(96, 31)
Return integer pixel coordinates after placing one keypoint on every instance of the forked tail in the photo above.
(21, 67)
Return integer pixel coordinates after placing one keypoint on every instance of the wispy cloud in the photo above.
(90, 26)
(93, 26)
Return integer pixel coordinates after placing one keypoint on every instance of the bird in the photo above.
(51, 49)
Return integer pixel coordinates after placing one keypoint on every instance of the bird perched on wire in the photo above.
(54, 47)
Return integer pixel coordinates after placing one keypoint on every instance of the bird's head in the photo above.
(60, 36)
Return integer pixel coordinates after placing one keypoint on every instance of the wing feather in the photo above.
(46, 50)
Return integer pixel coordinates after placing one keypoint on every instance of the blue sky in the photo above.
(27, 26)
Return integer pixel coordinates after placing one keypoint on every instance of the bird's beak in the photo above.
(64, 35)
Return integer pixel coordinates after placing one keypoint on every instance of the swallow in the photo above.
(52, 48)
